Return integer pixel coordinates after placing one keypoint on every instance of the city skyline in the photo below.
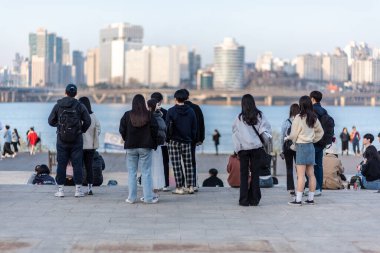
(259, 26)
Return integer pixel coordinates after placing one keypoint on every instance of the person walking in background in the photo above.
(200, 135)
(7, 151)
(164, 148)
(72, 120)
(250, 149)
(138, 133)
(215, 137)
(158, 174)
(182, 130)
(90, 144)
(288, 147)
(344, 138)
(355, 138)
(327, 123)
(32, 140)
(306, 130)
(15, 140)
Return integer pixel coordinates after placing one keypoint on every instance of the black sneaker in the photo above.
(90, 192)
(295, 203)
(309, 202)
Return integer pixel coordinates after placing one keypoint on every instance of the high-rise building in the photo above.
(229, 65)
(265, 62)
(362, 71)
(114, 40)
(309, 67)
(137, 67)
(78, 63)
(195, 63)
(66, 57)
(92, 67)
(39, 71)
(335, 66)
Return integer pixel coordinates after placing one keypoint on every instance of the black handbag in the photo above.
(265, 157)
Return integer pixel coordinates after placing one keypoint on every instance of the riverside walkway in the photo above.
(33, 220)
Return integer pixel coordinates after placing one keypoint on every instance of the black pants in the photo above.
(290, 156)
(88, 158)
(74, 153)
(249, 162)
(194, 163)
(165, 160)
(7, 148)
(15, 148)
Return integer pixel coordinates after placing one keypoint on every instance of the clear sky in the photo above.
(285, 27)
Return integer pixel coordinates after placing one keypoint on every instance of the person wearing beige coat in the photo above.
(332, 169)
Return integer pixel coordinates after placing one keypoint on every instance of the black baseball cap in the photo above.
(71, 90)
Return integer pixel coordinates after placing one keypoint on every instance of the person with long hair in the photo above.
(90, 144)
(344, 138)
(306, 130)
(137, 132)
(370, 169)
(15, 140)
(250, 149)
(289, 153)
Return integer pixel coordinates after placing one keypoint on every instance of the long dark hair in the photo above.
(139, 114)
(306, 108)
(294, 110)
(16, 132)
(371, 153)
(86, 102)
(249, 111)
(152, 104)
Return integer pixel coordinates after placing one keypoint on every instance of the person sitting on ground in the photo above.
(367, 141)
(43, 176)
(332, 169)
(213, 180)
(369, 171)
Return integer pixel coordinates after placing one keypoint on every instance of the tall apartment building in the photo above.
(335, 66)
(265, 62)
(366, 71)
(114, 41)
(228, 65)
(78, 64)
(92, 67)
(39, 71)
(309, 67)
(137, 67)
(195, 63)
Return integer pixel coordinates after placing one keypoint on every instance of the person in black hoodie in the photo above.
(182, 129)
(43, 176)
(370, 169)
(72, 120)
(199, 137)
(137, 128)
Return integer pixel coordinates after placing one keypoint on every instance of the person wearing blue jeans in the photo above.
(318, 167)
(370, 169)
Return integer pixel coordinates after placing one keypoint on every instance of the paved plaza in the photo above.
(33, 220)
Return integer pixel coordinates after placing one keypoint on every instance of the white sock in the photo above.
(77, 187)
(310, 197)
(299, 196)
(89, 187)
(60, 187)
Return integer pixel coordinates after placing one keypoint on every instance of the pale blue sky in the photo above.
(285, 27)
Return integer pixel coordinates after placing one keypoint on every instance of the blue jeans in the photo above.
(369, 185)
(266, 183)
(140, 157)
(318, 167)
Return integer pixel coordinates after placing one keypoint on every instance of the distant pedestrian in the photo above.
(7, 151)
(215, 137)
(90, 144)
(213, 180)
(344, 138)
(248, 145)
(288, 147)
(355, 139)
(306, 130)
(164, 148)
(15, 140)
(199, 137)
(181, 122)
(72, 120)
(32, 140)
(138, 132)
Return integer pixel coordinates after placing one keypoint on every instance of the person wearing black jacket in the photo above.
(200, 136)
(182, 129)
(139, 130)
(370, 170)
(69, 150)
(164, 148)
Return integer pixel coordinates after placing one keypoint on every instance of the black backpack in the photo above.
(69, 124)
(288, 143)
(328, 125)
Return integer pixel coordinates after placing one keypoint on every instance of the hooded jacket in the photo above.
(200, 136)
(184, 123)
(69, 102)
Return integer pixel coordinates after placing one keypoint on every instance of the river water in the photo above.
(24, 115)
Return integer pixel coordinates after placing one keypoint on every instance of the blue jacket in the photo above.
(185, 123)
(8, 136)
(319, 110)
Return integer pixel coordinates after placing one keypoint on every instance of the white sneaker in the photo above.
(129, 201)
(60, 193)
(165, 189)
(78, 194)
(179, 191)
(190, 190)
(317, 193)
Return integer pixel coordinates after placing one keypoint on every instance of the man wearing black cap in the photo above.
(71, 119)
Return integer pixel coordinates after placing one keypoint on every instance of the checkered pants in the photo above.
(176, 151)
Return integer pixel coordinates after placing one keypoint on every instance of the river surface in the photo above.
(24, 115)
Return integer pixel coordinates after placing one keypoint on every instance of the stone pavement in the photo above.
(33, 220)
